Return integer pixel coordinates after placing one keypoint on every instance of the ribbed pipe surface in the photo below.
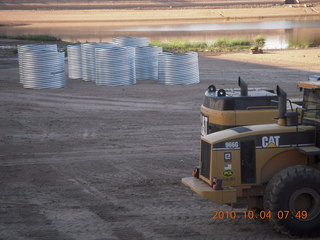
(43, 70)
(74, 61)
(88, 59)
(178, 68)
(131, 41)
(115, 66)
(33, 47)
(147, 62)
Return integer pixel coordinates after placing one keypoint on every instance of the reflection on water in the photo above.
(276, 42)
(278, 34)
(225, 26)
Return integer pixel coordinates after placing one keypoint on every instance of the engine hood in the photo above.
(258, 131)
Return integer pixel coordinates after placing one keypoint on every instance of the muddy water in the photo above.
(279, 34)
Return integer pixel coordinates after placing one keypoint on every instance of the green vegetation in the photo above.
(303, 43)
(46, 38)
(180, 45)
(260, 40)
(220, 45)
(229, 43)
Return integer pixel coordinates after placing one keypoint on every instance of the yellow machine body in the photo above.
(269, 148)
(245, 158)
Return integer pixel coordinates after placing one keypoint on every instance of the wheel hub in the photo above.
(305, 199)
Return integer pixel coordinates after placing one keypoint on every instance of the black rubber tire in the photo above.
(281, 194)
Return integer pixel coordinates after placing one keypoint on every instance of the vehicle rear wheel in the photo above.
(293, 198)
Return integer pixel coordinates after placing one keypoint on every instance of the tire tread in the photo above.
(279, 182)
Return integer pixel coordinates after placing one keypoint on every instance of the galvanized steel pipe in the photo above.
(74, 61)
(32, 47)
(131, 41)
(178, 68)
(88, 59)
(43, 69)
(147, 62)
(115, 66)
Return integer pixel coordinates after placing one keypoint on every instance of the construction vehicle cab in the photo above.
(311, 102)
(274, 167)
(228, 108)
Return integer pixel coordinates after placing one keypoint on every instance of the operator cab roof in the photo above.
(231, 99)
(314, 82)
(252, 92)
(309, 84)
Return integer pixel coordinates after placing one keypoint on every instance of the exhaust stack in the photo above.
(282, 105)
(243, 87)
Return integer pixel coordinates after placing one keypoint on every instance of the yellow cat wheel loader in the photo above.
(271, 167)
(227, 108)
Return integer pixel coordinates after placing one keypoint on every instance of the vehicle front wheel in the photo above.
(293, 198)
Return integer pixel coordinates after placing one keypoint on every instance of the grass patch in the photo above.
(180, 46)
(220, 45)
(260, 40)
(225, 43)
(303, 44)
(45, 38)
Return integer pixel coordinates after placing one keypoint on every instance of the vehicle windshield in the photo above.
(311, 101)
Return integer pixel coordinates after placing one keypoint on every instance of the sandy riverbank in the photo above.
(141, 4)
(299, 59)
(136, 17)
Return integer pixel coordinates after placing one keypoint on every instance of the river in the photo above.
(279, 34)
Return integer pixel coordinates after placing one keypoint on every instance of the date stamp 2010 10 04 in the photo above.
(249, 214)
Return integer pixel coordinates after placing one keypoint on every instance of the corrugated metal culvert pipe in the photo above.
(74, 61)
(43, 69)
(35, 47)
(131, 41)
(88, 59)
(115, 66)
(88, 68)
(178, 68)
(147, 62)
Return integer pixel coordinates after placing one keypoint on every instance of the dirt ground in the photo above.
(292, 58)
(303, 59)
(89, 162)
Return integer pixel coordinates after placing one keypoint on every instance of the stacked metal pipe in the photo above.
(131, 41)
(178, 68)
(35, 47)
(88, 59)
(147, 62)
(74, 61)
(43, 70)
(115, 66)
(41, 66)
(87, 54)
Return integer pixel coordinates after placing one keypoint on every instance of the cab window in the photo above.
(311, 101)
